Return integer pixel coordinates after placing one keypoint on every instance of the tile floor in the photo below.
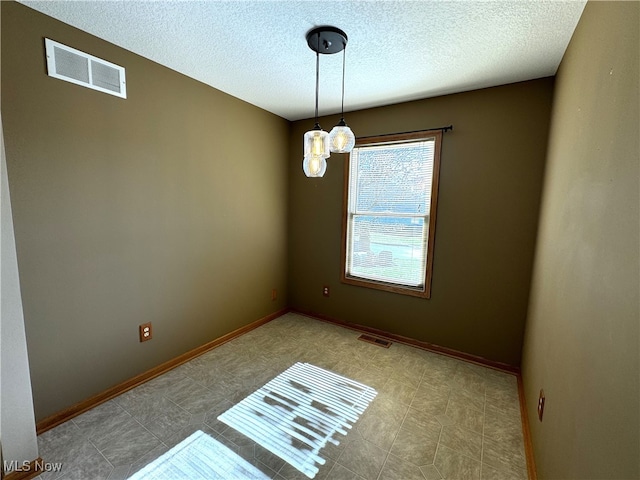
(434, 417)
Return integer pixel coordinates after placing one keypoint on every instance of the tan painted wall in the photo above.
(155, 208)
(490, 182)
(582, 334)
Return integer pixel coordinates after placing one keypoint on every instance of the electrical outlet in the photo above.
(274, 294)
(145, 332)
(541, 404)
(325, 291)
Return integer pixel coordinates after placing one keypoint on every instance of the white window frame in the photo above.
(424, 289)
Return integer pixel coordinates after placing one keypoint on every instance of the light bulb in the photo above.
(314, 165)
(316, 142)
(317, 145)
(341, 138)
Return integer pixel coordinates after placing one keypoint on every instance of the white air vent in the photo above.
(77, 67)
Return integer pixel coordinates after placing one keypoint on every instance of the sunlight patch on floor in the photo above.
(297, 413)
(199, 457)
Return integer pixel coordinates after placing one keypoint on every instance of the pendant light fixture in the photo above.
(316, 141)
(325, 40)
(341, 138)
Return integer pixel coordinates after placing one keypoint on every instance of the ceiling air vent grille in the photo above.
(77, 67)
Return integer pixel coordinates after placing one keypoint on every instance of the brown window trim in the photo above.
(425, 292)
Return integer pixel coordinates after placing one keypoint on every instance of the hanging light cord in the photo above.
(344, 54)
(317, 80)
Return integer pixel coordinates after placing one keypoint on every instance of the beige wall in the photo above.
(582, 334)
(17, 420)
(157, 208)
(490, 182)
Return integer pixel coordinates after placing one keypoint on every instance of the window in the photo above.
(391, 188)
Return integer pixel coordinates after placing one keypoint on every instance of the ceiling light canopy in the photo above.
(318, 144)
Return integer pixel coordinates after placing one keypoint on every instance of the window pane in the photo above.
(394, 178)
(388, 249)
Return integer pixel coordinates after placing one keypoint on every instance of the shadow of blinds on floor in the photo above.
(298, 412)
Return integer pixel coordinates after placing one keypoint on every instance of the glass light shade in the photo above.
(314, 165)
(316, 143)
(341, 138)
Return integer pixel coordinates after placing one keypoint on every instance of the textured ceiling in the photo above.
(397, 50)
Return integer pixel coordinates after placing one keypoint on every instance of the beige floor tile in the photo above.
(363, 458)
(417, 445)
(211, 417)
(418, 420)
(490, 473)
(506, 455)
(462, 441)
(338, 472)
(398, 469)
(65, 444)
(466, 417)
(435, 417)
(380, 428)
(455, 466)
(145, 459)
(468, 399)
(401, 391)
(372, 377)
(290, 473)
(126, 443)
(168, 422)
(468, 379)
(101, 419)
(144, 405)
(430, 399)
(503, 425)
(430, 472)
